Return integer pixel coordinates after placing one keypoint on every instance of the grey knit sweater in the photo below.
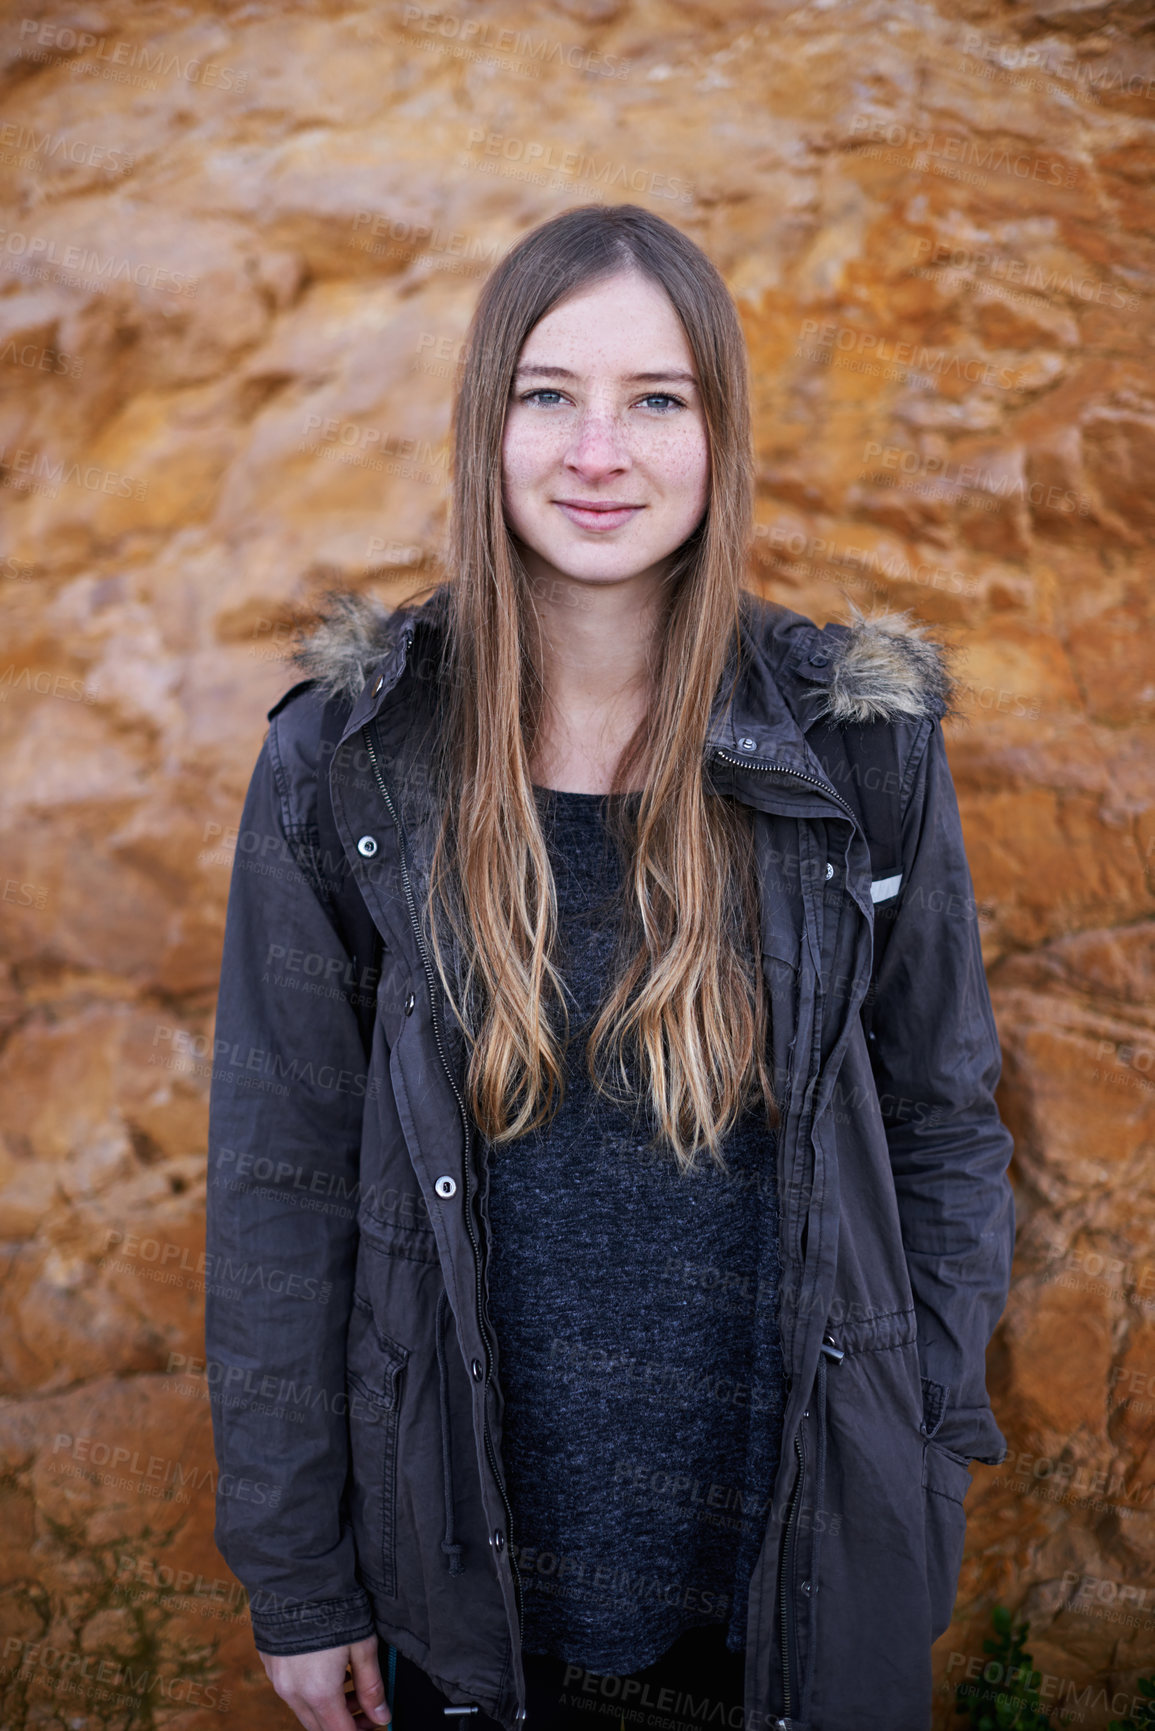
(636, 1317)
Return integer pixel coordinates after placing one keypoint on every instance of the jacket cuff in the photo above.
(313, 1625)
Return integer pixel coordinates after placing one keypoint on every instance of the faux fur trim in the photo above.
(343, 642)
(883, 666)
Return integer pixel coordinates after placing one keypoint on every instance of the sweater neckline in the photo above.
(567, 793)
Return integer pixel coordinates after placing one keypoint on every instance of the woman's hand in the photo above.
(313, 1685)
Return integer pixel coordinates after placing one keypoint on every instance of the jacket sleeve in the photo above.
(286, 1102)
(936, 1058)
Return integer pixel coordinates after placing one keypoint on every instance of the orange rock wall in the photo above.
(239, 249)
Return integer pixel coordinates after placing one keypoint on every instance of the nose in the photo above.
(599, 446)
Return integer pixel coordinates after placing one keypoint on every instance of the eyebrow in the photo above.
(630, 378)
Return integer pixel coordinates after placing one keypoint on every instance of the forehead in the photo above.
(616, 324)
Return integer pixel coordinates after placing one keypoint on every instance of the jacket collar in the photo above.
(791, 674)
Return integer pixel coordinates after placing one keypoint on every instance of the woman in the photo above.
(604, 1086)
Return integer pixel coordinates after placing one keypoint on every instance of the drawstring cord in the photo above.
(451, 1549)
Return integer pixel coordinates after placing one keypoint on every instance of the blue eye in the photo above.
(662, 402)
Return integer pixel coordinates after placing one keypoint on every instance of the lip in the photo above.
(600, 515)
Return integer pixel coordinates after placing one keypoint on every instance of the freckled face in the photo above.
(605, 460)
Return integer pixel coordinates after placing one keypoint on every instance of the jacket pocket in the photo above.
(946, 1479)
(375, 1374)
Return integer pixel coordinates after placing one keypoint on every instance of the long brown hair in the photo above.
(687, 1010)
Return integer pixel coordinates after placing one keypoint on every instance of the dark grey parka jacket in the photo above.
(352, 1361)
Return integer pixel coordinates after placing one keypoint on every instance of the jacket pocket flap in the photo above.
(945, 1473)
(373, 1361)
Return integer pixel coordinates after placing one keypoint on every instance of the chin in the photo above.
(604, 564)
(618, 572)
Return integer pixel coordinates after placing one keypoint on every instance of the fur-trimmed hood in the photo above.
(877, 667)
(885, 667)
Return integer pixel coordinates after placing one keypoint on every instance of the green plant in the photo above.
(1009, 1700)
(1146, 1715)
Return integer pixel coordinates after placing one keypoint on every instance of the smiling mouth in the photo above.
(597, 513)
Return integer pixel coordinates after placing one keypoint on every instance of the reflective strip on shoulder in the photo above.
(882, 889)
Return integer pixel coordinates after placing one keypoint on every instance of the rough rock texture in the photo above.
(239, 250)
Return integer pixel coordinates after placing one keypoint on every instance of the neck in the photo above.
(593, 642)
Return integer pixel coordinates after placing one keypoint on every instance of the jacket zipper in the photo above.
(781, 769)
(785, 1597)
(430, 976)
